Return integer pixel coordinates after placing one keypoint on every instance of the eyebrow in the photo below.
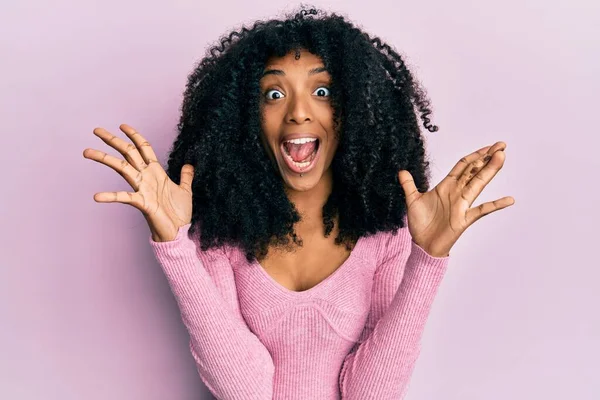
(281, 73)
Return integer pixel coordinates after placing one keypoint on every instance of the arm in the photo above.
(230, 359)
(380, 364)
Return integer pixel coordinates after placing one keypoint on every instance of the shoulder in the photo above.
(211, 254)
(389, 244)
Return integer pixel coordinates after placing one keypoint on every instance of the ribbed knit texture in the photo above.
(355, 335)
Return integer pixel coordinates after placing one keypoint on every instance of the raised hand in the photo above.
(165, 205)
(436, 219)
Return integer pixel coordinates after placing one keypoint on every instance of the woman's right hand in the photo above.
(165, 205)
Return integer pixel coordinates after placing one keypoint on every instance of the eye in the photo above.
(320, 89)
(269, 91)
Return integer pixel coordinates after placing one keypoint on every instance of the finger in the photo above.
(462, 164)
(128, 150)
(473, 214)
(408, 185)
(140, 142)
(131, 175)
(187, 176)
(134, 199)
(476, 185)
(473, 168)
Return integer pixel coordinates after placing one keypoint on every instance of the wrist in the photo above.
(433, 251)
(163, 236)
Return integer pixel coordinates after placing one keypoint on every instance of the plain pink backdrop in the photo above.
(85, 312)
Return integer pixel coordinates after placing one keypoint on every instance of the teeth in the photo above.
(301, 165)
(301, 140)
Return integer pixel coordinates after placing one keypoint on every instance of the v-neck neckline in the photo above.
(353, 254)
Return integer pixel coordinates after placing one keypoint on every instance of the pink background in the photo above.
(85, 310)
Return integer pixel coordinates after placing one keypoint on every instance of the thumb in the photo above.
(187, 176)
(408, 185)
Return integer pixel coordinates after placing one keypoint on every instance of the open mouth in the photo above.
(300, 155)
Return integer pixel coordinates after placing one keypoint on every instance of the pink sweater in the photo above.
(355, 335)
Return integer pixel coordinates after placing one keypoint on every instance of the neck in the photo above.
(310, 204)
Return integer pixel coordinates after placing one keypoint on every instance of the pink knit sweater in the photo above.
(355, 335)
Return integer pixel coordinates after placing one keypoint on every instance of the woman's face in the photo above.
(297, 119)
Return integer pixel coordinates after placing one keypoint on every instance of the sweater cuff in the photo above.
(427, 260)
(171, 244)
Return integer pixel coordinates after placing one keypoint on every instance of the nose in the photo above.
(298, 110)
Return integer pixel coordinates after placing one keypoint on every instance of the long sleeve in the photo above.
(230, 359)
(380, 364)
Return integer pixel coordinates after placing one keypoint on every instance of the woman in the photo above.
(294, 221)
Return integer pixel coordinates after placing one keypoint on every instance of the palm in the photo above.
(157, 194)
(165, 205)
(437, 218)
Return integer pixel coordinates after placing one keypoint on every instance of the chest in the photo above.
(305, 267)
(324, 288)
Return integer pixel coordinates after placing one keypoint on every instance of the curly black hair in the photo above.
(238, 196)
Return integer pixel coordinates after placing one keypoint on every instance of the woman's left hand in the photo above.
(436, 219)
